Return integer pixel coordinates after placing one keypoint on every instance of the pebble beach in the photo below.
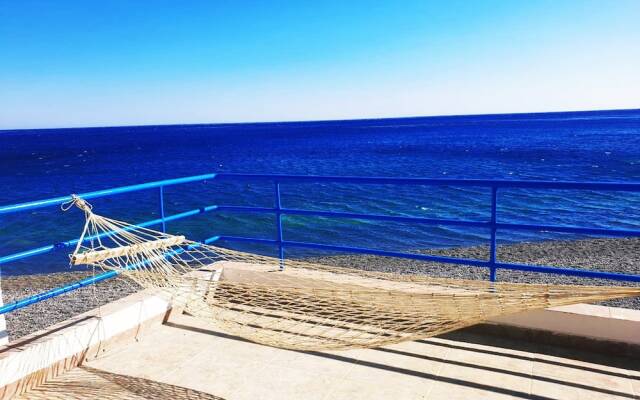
(37, 316)
(614, 255)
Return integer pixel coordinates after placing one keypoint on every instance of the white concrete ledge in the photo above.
(615, 331)
(598, 322)
(45, 354)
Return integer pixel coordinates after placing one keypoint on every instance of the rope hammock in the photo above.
(307, 306)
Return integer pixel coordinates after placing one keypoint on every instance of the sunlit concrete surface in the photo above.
(187, 359)
(89, 383)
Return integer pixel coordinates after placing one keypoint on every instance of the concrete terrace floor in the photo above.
(186, 359)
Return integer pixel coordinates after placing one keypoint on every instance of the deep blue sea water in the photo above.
(585, 146)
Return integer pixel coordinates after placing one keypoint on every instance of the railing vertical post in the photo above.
(493, 249)
(279, 225)
(161, 198)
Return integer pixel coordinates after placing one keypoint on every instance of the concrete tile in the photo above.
(452, 391)
(605, 384)
(187, 320)
(594, 395)
(383, 377)
(554, 391)
(285, 383)
(147, 363)
(498, 362)
(78, 384)
(222, 383)
(88, 383)
(254, 380)
(635, 384)
(518, 384)
(362, 390)
(422, 347)
(494, 348)
(166, 350)
(599, 365)
(383, 374)
(400, 361)
(322, 363)
(233, 351)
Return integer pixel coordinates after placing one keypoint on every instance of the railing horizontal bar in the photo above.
(211, 239)
(240, 239)
(84, 282)
(437, 221)
(55, 292)
(338, 214)
(569, 229)
(423, 257)
(247, 209)
(26, 254)
(336, 179)
(608, 186)
(378, 217)
(102, 193)
(569, 271)
(450, 260)
(69, 243)
(361, 250)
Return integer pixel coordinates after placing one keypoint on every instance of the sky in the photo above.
(109, 62)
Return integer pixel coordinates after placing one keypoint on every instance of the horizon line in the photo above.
(317, 120)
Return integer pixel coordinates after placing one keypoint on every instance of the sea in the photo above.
(602, 146)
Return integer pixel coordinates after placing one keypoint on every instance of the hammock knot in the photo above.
(78, 202)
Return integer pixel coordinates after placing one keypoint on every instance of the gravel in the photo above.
(37, 316)
(614, 255)
(610, 255)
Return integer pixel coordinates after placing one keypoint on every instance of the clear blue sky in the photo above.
(97, 63)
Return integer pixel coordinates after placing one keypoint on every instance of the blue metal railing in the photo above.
(492, 263)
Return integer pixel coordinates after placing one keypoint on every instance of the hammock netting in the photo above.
(308, 306)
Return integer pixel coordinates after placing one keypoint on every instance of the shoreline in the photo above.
(611, 255)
